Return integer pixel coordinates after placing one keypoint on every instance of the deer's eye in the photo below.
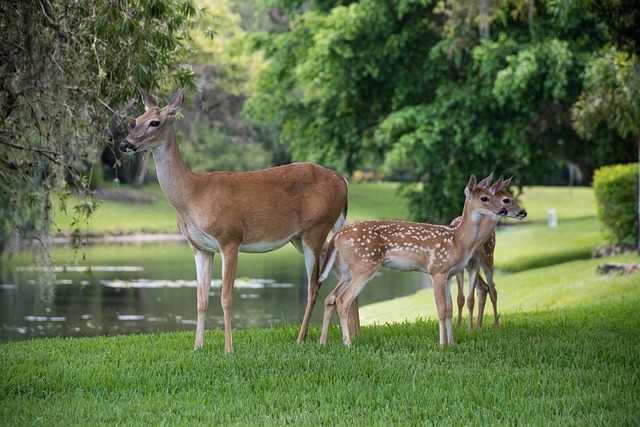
(484, 199)
(506, 201)
(154, 123)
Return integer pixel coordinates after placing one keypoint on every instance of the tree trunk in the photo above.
(485, 10)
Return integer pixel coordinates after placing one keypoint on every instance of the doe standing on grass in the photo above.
(231, 212)
(362, 248)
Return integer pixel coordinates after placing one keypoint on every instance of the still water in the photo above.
(147, 288)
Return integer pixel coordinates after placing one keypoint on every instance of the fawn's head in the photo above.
(151, 127)
(482, 200)
(513, 208)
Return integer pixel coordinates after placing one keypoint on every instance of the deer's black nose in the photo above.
(503, 212)
(521, 214)
(125, 146)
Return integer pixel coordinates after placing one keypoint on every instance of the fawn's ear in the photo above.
(505, 184)
(176, 103)
(148, 102)
(470, 186)
(496, 186)
(486, 182)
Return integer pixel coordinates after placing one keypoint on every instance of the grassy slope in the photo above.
(567, 284)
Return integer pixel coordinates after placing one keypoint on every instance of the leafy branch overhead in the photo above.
(68, 71)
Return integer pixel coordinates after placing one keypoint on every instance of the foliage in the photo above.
(217, 136)
(333, 75)
(611, 96)
(67, 68)
(395, 374)
(612, 83)
(206, 149)
(616, 191)
(413, 83)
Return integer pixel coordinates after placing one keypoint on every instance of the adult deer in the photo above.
(229, 212)
(361, 249)
(483, 258)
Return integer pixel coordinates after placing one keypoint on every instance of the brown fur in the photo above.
(229, 212)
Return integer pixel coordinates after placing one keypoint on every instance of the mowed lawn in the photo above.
(567, 351)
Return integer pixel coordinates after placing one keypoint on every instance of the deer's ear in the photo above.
(470, 186)
(506, 183)
(148, 102)
(176, 103)
(496, 186)
(486, 182)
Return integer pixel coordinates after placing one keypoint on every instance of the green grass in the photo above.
(115, 218)
(567, 353)
(569, 202)
(376, 201)
(575, 366)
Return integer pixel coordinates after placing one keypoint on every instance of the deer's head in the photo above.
(482, 200)
(513, 208)
(153, 126)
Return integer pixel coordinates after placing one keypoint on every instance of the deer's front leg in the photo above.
(449, 318)
(473, 277)
(204, 261)
(354, 318)
(229, 267)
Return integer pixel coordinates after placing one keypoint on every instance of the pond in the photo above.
(150, 287)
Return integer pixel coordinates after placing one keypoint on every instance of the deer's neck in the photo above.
(487, 227)
(174, 176)
(468, 230)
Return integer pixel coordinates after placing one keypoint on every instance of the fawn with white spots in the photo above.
(483, 257)
(359, 250)
(231, 212)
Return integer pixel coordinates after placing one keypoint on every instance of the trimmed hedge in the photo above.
(616, 191)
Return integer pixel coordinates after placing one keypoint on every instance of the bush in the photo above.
(616, 191)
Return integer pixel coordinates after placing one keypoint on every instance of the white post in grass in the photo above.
(552, 218)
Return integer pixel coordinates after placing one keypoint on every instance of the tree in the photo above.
(216, 136)
(411, 82)
(67, 71)
(611, 99)
(333, 77)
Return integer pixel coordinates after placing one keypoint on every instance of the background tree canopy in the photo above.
(420, 90)
(412, 85)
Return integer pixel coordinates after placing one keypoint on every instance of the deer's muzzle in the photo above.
(126, 147)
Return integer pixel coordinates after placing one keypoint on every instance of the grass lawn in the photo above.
(571, 366)
(567, 353)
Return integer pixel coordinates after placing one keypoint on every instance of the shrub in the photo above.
(616, 191)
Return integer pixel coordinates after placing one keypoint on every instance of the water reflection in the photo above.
(147, 288)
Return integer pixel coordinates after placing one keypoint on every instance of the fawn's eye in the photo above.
(484, 199)
(506, 201)
(154, 123)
